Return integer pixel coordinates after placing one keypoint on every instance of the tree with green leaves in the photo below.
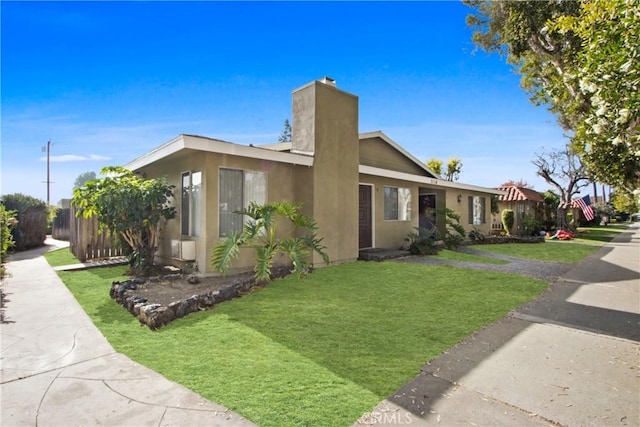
(435, 165)
(131, 207)
(581, 60)
(607, 74)
(82, 178)
(454, 168)
(263, 231)
(285, 136)
(625, 202)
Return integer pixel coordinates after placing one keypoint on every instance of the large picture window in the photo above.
(477, 210)
(397, 204)
(191, 204)
(238, 188)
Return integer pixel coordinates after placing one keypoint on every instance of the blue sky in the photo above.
(108, 81)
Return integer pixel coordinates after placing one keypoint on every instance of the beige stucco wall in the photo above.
(378, 153)
(280, 187)
(462, 209)
(390, 233)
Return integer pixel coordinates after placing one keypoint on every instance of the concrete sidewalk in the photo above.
(570, 358)
(58, 370)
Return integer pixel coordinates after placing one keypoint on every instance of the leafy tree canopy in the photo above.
(607, 74)
(82, 178)
(624, 201)
(129, 206)
(581, 59)
(454, 168)
(435, 165)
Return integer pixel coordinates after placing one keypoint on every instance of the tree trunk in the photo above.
(561, 218)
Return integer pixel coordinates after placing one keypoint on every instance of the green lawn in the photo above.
(318, 351)
(586, 242)
(60, 257)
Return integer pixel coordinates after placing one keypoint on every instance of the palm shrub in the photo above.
(263, 233)
(454, 233)
(424, 241)
(508, 219)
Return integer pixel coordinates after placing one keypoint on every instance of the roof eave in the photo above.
(183, 142)
(386, 173)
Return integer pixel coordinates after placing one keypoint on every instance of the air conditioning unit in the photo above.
(184, 250)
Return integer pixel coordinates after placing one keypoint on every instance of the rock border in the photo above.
(155, 315)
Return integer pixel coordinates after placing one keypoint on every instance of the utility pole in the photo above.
(48, 181)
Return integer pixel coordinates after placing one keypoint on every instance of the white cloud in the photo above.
(74, 158)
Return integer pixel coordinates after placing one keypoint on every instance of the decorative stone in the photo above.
(155, 315)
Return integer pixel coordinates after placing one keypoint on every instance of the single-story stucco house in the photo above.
(363, 189)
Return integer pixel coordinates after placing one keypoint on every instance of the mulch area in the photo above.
(169, 288)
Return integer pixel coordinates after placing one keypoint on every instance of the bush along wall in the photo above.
(32, 215)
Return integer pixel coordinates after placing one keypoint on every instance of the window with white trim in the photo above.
(477, 210)
(237, 189)
(397, 204)
(191, 204)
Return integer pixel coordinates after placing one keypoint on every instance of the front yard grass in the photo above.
(318, 351)
(60, 257)
(587, 241)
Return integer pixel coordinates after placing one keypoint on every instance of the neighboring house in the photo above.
(523, 202)
(363, 190)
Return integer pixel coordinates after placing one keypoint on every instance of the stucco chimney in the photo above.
(329, 81)
(325, 126)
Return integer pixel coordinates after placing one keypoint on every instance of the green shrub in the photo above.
(508, 219)
(424, 241)
(32, 217)
(532, 226)
(476, 235)
(7, 221)
(454, 233)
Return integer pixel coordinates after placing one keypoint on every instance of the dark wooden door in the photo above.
(364, 221)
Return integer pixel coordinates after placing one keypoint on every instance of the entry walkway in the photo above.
(58, 370)
(570, 358)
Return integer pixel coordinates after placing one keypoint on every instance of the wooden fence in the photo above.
(86, 241)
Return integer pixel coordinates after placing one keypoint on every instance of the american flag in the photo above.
(585, 205)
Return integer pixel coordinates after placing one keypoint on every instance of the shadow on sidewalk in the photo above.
(441, 375)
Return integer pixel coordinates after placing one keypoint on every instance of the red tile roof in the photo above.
(515, 193)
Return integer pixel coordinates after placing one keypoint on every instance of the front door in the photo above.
(427, 211)
(364, 218)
